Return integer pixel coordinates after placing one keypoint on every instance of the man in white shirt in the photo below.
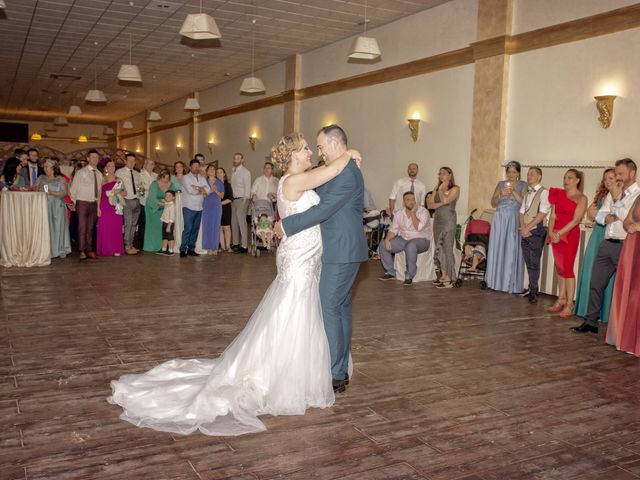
(85, 191)
(407, 184)
(131, 181)
(410, 232)
(241, 187)
(194, 189)
(147, 175)
(612, 214)
(265, 186)
(533, 229)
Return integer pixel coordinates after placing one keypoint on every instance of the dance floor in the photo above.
(448, 384)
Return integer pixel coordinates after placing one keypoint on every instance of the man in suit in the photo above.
(344, 244)
(31, 171)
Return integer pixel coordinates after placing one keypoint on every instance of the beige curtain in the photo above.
(24, 229)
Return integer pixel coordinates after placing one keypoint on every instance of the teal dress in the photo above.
(57, 211)
(176, 186)
(153, 225)
(584, 280)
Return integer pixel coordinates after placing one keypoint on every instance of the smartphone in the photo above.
(46, 188)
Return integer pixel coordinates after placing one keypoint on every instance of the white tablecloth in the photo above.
(24, 229)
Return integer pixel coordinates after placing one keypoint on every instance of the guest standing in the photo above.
(225, 221)
(410, 183)
(11, 173)
(610, 185)
(241, 185)
(212, 212)
(131, 180)
(57, 209)
(612, 214)
(533, 228)
(112, 207)
(153, 208)
(443, 201)
(265, 186)
(624, 328)
(31, 171)
(147, 175)
(194, 189)
(85, 193)
(568, 207)
(505, 264)
(179, 171)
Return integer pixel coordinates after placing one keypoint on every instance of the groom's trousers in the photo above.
(336, 281)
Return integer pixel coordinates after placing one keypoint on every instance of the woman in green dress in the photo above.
(153, 211)
(56, 190)
(608, 185)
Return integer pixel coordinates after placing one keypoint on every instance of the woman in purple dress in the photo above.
(212, 212)
(110, 240)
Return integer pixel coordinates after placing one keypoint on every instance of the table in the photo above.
(24, 229)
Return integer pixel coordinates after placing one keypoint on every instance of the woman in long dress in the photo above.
(607, 185)
(505, 263)
(58, 226)
(212, 212)
(279, 364)
(153, 209)
(568, 206)
(443, 202)
(225, 221)
(110, 242)
(179, 170)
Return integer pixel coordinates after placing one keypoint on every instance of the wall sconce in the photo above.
(604, 104)
(179, 149)
(156, 151)
(414, 126)
(252, 141)
(138, 150)
(210, 145)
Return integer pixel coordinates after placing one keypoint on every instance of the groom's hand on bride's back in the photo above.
(278, 229)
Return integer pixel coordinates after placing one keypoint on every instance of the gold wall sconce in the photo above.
(604, 104)
(179, 149)
(156, 151)
(210, 145)
(252, 141)
(414, 126)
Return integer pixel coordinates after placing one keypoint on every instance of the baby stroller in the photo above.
(376, 224)
(262, 222)
(475, 246)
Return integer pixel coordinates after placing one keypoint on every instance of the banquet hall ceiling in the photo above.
(74, 40)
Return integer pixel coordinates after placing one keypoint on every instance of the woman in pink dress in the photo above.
(623, 330)
(110, 239)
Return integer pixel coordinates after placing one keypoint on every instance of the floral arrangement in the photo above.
(141, 191)
(115, 197)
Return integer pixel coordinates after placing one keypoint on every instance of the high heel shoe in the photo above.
(567, 311)
(556, 307)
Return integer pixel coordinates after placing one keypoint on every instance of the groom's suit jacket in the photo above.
(339, 214)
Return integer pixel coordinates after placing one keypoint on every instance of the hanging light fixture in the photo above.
(75, 110)
(365, 48)
(108, 131)
(252, 85)
(95, 95)
(192, 103)
(154, 116)
(200, 26)
(60, 121)
(36, 136)
(3, 4)
(82, 139)
(127, 125)
(129, 72)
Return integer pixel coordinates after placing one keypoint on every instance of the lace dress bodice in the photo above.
(300, 255)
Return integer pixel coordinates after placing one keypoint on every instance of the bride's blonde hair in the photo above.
(281, 152)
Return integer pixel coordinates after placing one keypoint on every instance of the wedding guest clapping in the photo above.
(55, 187)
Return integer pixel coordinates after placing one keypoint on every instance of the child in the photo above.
(168, 223)
(474, 255)
(264, 229)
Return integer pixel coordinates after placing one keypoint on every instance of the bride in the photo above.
(279, 364)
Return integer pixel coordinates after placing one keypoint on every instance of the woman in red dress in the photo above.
(568, 206)
(623, 330)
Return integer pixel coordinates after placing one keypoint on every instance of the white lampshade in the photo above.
(108, 131)
(75, 110)
(252, 85)
(127, 125)
(154, 116)
(200, 26)
(192, 104)
(2, 4)
(95, 96)
(60, 121)
(365, 48)
(129, 73)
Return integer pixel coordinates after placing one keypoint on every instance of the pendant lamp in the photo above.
(365, 48)
(252, 85)
(129, 72)
(200, 26)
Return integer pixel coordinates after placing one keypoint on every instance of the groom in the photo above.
(344, 244)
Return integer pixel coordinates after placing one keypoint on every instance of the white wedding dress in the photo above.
(279, 364)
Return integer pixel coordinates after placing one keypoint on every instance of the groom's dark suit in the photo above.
(344, 247)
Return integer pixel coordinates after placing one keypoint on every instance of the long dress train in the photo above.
(279, 364)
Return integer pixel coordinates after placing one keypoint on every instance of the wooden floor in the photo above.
(449, 384)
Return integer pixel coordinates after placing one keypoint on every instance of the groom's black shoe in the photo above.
(346, 379)
(339, 386)
(585, 327)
